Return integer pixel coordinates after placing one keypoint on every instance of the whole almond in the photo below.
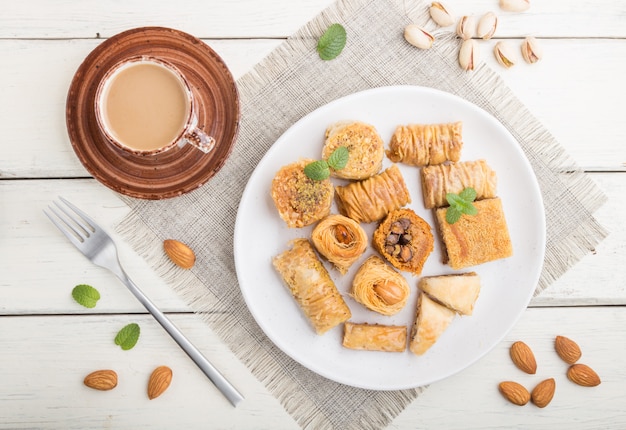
(567, 349)
(159, 381)
(542, 394)
(583, 375)
(102, 380)
(514, 392)
(179, 253)
(523, 357)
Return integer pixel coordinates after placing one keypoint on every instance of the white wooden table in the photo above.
(48, 343)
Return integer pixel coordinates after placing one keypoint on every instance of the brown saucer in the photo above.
(176, 171)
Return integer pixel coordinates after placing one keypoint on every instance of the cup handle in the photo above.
(199, 139)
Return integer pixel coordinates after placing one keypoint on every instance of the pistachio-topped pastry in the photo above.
(365, 145)
(301, 201)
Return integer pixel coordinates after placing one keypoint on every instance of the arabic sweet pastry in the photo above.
(440, 179)
(311, 286)
(373, 198)
(425, 144)
(405, 240)
(431, 320)
(475, 239)
(374, 337)
(300, 201)
(378, 287)
(455, 291)
(365, 145)
(340, 239)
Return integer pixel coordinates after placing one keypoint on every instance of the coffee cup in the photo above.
(144, 105)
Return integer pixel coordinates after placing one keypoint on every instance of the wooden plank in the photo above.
(40, 267)
(275, 18)
(73, 346)
(590, 95)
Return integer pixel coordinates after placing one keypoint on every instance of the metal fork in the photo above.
(98, 247)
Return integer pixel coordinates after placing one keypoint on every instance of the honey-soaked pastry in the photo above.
(374, 337)
(431, 320)
(364, 144)
(301, 201)
(440, 179)
(425, 144)
(373, 198)
(378, 287)
(475, 239)
(405, 240)
(340, 239)
(456, 291)
(311, 286)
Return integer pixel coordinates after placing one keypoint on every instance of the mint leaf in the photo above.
(453, 215)
(317, 170)
(460, 204)
(332, 42)
(339, 158)
(128, 336)
(468, 194)
(86, 295)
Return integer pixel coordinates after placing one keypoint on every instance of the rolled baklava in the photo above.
(375, 337)
(441, 179)
(311, 286)
(425, 144)
(373, 198)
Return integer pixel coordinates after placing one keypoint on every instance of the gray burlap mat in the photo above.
(288, 84)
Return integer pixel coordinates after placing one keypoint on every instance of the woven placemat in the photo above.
(290, 83)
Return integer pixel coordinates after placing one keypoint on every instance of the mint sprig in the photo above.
(86, 295)
(332, 42)
(460, 204)
(128, 336)
(320, 169)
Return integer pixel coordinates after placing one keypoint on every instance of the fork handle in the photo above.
(227, 389)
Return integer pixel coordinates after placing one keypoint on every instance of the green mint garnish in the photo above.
(128, 336)
(86, 295)
(320, 169)
(339, 158)
(317, 170)
(460, 204)
(332, 42)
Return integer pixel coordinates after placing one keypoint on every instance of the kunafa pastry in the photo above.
(340, 239)
(425, 144)
(300, 201)
(364, 144)
(375, 337)
(405, 240)
(373, 198)
(455, 291)
(440, 179)
(311, 286)
(431, 320)
(378, 287)
(475, 239)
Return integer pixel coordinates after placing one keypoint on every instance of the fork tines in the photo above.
(74, 223)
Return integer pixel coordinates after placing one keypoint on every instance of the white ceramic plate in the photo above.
(507, 285)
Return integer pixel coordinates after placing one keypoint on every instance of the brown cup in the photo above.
(145, 105)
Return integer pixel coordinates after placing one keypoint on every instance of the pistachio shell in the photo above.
(487, 26)
(514, 5)
(504, 54)
(441, 14)
(531, 51)
(466, 27)
(418, 37)
(468, 54)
